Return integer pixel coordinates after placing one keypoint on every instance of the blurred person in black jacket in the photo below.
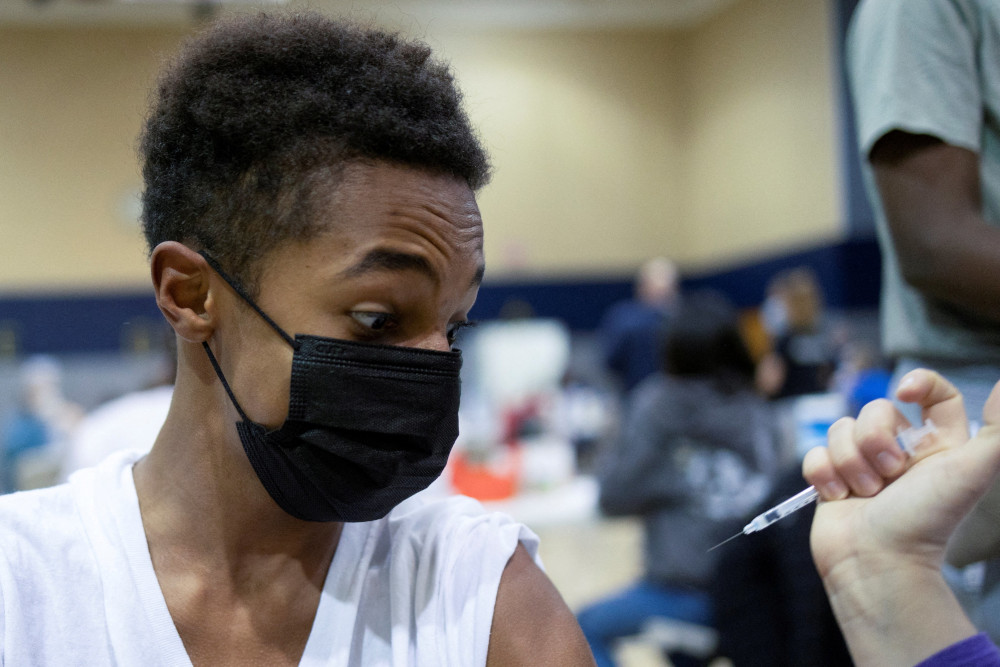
(771, 609)
(695, 455)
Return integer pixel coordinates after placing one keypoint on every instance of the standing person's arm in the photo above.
(931, 196)
(878, 539)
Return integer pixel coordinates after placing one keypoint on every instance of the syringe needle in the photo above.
(728, 539)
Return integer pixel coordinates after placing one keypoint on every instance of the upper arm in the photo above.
(930, 193)
(531, 623)
(918, 102)
(946, 249)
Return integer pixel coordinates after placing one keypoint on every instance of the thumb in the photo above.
(978, 461)
(940, 402)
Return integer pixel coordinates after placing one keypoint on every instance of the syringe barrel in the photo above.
(797, 502)
(781, 510)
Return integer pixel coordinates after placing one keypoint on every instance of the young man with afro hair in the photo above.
(315, 244)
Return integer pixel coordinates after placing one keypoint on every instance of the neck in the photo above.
(200, 497)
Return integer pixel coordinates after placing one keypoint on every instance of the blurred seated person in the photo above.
(884, 520)
(45, 419)
(803, 357)
(631, 330)
(128, 422)
(863, 376)
(695, 454)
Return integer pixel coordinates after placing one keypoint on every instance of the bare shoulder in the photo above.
(531, 623)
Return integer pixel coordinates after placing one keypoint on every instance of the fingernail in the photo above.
(867, 484)
(888, 463)
(835, 490)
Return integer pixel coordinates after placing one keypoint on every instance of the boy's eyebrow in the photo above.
(393, 260)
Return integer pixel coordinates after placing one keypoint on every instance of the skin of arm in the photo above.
(531, 623)
(878, 537)
(930, 192)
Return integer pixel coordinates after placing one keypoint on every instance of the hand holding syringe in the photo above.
(907, 438)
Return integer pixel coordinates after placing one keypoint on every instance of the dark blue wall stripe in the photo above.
(79, 323)
(848, 272)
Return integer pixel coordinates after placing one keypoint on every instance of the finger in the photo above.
(818, 470)
(991, 409)
(939, 401)
(875, 436)
(850, 463)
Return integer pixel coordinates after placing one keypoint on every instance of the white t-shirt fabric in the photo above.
(416, 588)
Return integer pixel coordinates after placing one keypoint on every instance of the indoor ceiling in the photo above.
(440, 13)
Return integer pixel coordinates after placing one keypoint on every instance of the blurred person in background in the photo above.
(129, 422)
(631, 331)
(803, 356)
(697, 451)
(925, 80)
(863, 375)
(35, 438)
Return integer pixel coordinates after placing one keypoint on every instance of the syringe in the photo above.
(781, 510)
(908, 440)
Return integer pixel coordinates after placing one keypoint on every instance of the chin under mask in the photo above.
(368, 425)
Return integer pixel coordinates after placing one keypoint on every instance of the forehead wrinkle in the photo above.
(444, 235)
(381, 259)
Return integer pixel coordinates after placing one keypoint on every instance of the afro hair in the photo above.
(254, 120)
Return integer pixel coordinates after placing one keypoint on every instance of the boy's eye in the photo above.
(374, 321)
(455, 328)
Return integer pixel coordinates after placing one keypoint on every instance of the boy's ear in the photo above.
(181, 279)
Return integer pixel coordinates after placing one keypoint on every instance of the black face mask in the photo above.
(368, 425)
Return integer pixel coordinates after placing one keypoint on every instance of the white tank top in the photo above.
(416, 588)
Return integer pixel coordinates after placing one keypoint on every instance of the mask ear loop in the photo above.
(222, 378)
(246, 297)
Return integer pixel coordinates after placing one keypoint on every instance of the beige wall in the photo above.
(71, 102)
(706, 144)
(582, 131)
(759, 130)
